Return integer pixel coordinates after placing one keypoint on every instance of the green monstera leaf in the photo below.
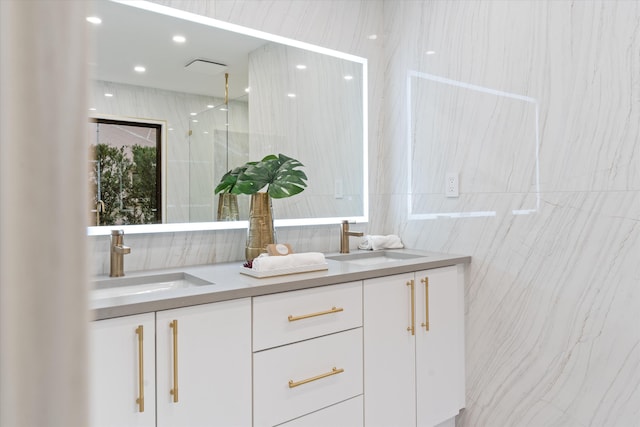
(228, 181)
(279, 173)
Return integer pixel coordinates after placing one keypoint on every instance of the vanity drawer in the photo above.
(349, 413)
(284, 318)
(300, 378)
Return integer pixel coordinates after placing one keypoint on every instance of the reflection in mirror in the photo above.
(218, 142)
(124, 172)
(286, 97)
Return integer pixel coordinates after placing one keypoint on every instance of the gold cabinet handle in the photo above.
(174, 391)
(425, 325)
(320, 313)
(334, 371)
(140, 399)
(412, 328)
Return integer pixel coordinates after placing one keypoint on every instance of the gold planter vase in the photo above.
(228, 207)
(260, 233)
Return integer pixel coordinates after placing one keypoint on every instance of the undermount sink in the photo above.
(141, 285)
(374, 257)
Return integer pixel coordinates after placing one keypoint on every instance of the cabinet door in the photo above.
(121, 350)
(440, 349)
(206, 355)
(389, 352)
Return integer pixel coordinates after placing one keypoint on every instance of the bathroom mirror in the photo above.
(284, 96)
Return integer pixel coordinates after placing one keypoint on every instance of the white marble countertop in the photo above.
(229, 283)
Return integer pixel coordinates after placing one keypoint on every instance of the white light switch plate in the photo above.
(451, 189)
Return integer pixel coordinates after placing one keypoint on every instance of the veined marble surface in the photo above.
(536, 105)
(553, 294)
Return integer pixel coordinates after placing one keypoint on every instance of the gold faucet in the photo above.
(344, 236)
(118, 251)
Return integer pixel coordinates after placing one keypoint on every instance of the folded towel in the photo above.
(267, 263)
(381, 242)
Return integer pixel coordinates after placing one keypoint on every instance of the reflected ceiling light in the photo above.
(348, 77)
(247, 89)
(193, 114)
(108, 95)
(210, 106)
(194, 121)
(291, 95)
(301, 67)
(92, 109)
(206, 132)
(224, 109)
(170, 128)
(179, 39)
(430, 52)
(94, 20)
(372, 36)
(139, 69)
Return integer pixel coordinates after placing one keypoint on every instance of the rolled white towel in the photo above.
(268, 263)
(374, 243)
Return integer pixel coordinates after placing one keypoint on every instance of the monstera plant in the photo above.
(278, 173)
(228, 181)
(282, 178)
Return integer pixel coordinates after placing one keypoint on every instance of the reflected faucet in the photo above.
(118, 251)
(344, 236)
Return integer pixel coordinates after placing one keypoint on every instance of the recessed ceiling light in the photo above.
(206, 132)
(108, 95)
(430, 52)
(210, 106)
(194, 121)
(301, 67)
(247, 89)
(194, 114)
(139, 69)
(92, 109)
(291, 95)
(224, 109)
(94, 20)
(179, 39)
(348, 77)
(170, 128)
(372, 36)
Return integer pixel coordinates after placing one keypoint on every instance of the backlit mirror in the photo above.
(158, 65)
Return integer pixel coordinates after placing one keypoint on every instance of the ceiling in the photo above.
(129, 36)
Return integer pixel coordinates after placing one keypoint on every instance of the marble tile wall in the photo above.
(536, 106)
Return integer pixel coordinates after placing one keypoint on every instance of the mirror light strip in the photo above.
(153, 7)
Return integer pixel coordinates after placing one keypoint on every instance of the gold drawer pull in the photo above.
(320, 313)
(334, 371)
(140, 400)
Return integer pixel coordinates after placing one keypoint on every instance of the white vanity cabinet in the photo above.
(414, 373)
(122, 373)
(197, 367)
(379, 350)
(307, 360)
(203, 365)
